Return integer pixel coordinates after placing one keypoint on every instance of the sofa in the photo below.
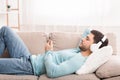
(35, 41)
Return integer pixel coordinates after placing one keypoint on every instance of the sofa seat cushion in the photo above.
(113, 78)
(17, 77)
(110, 69)
(71, 77)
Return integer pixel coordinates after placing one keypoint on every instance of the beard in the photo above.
(82, 48)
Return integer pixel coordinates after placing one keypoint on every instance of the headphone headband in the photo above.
(96, 46)
(104, 38)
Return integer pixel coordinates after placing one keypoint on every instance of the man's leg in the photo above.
(15, 46)
(15, 66)
(19, 62)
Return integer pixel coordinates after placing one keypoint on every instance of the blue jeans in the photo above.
(19, 61)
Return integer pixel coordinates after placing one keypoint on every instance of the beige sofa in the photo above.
(35, 41)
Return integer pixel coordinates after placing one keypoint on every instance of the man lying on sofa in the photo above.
(53, 63)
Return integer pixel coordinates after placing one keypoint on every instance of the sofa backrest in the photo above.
(112, 41)
(64, 40)
(35, 41)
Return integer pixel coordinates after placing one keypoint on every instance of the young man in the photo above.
(53, 63)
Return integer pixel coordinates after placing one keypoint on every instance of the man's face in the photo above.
(86, 42)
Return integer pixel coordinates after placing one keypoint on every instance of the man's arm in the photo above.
(64, 68)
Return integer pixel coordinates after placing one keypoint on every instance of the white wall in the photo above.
(78, 12)
(113, 17)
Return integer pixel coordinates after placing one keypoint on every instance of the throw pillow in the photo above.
(95, 60)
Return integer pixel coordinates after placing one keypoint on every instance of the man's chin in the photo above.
(82, 48)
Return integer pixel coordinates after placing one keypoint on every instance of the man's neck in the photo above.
(86, 53)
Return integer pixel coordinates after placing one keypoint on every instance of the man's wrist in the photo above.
(48, 51)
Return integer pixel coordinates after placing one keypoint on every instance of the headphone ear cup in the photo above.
(94, 47)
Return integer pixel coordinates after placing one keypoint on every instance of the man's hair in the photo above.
(98, 36)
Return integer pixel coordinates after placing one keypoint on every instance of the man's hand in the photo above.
(49, 45)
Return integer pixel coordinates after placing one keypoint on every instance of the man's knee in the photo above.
(5, 27)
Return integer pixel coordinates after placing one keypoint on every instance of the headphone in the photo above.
(96, 46)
